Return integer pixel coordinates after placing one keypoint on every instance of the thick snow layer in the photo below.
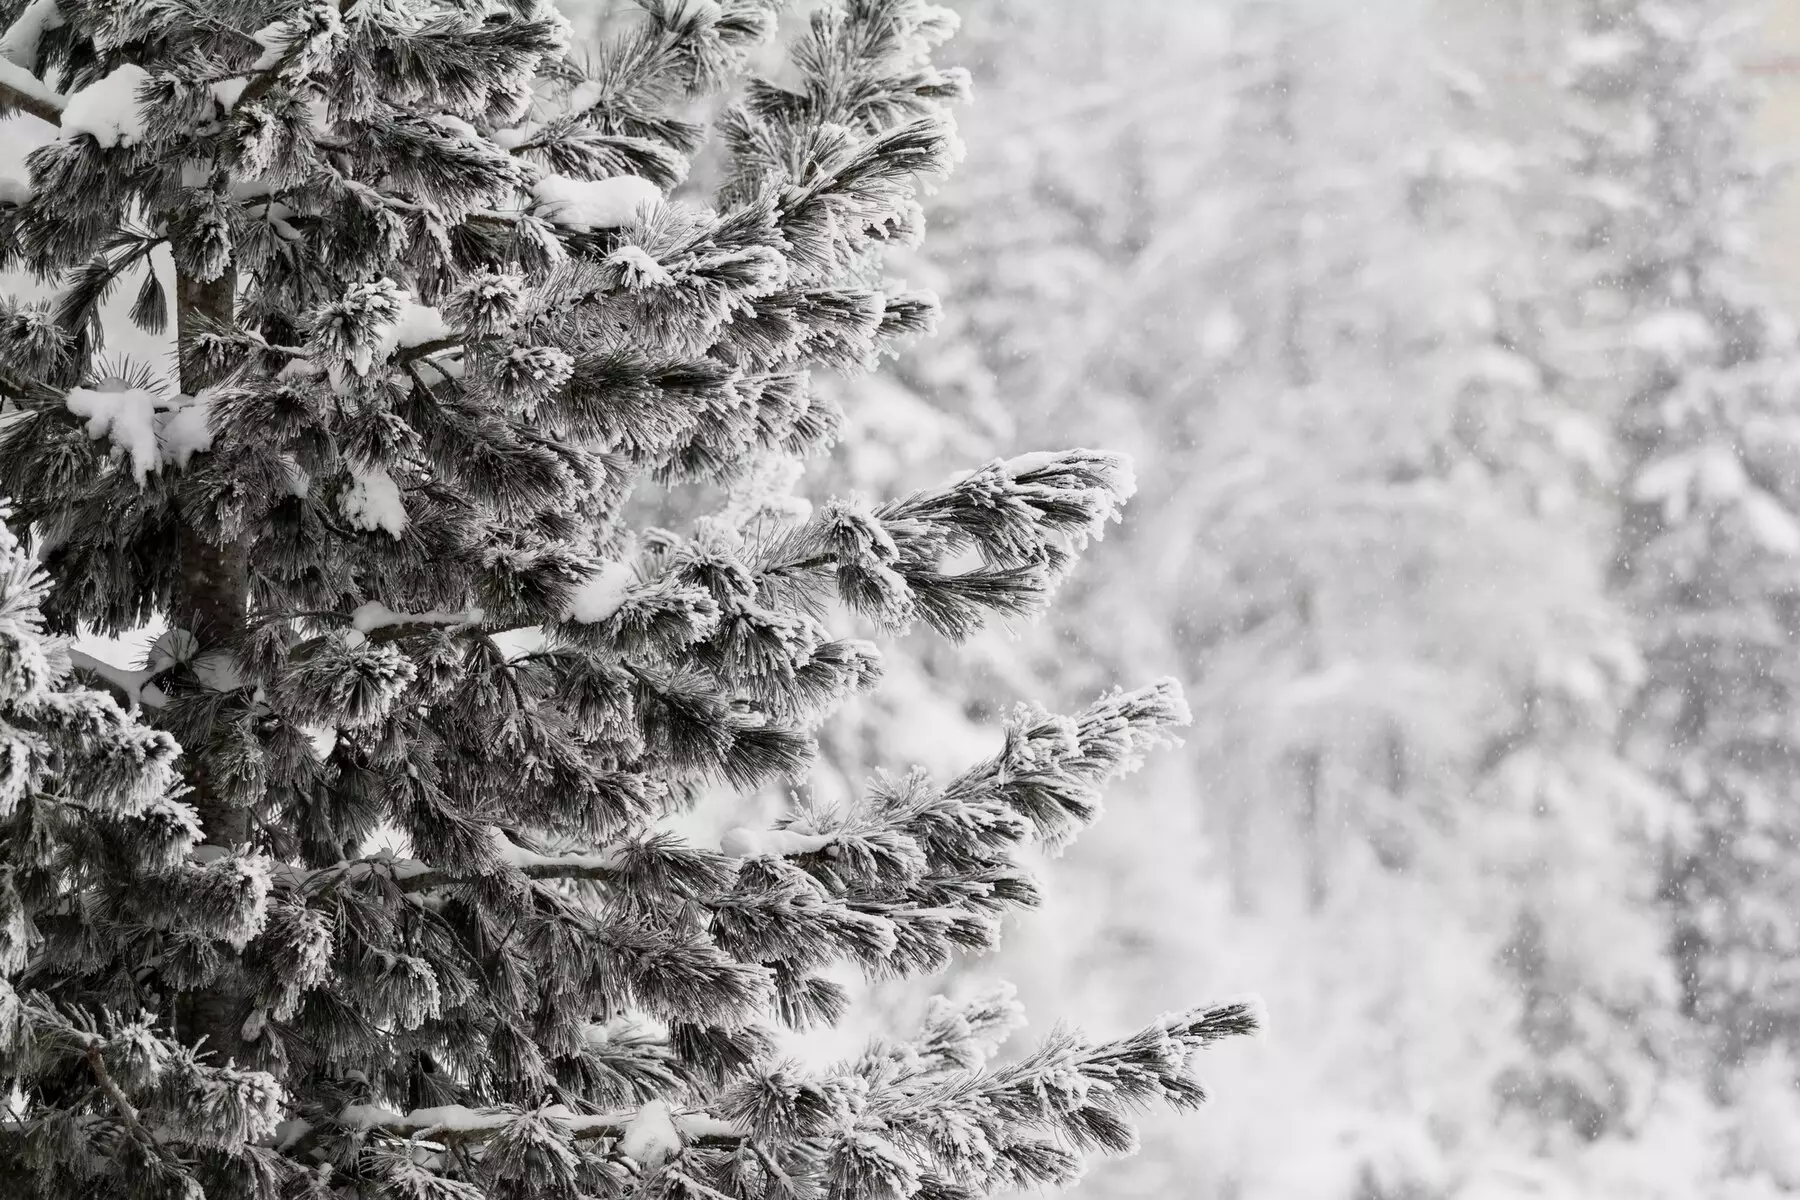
(128, 417)
(1031, 460)
(107, 109)
(373, 502)
(699, 1125)
(135, 685)
(20, 42)
(744, 842)
(602, 593)
(586, 204)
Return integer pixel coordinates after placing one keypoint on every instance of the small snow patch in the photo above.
(376, 615)
(651, 1138)
(228, 91)
(774, 843)
(417, 325)
(187, 430)
(373, 502)
(637, 270)
(602, 593)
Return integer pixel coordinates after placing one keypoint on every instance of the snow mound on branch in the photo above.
(651, 1138)
(602, 594)
(20, 42)
(588, 204)
(128, 417)
(107, 109)
(373, 502)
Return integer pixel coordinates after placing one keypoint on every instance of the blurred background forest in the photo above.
(1453, 343)
(1451, 339)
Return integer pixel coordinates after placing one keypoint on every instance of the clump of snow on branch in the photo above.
(637, 270)
(125, 415)
(651, 1138)
(374, 615)
(107, 109)
(588, 204)
(744, 842)
(602, 593)
(373, 501)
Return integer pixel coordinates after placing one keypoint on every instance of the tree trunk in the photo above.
(209, 601)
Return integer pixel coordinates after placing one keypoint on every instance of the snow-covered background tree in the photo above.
(361, 882)
(1699, 375)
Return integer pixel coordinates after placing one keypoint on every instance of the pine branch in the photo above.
(122, 1104)
(27, 391)
(454, 1125)
(411, 354)
(571, 867)
(22, 91)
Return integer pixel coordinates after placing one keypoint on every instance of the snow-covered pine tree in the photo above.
(407, 926)
(1560, 819)
(1700, 384)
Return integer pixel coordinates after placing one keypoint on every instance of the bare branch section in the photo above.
(24, 92)
(134, 687)
(128, 1113)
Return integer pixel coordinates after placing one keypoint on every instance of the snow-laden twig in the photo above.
(454, 1123)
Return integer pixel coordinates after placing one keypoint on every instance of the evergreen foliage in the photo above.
(397, 918)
